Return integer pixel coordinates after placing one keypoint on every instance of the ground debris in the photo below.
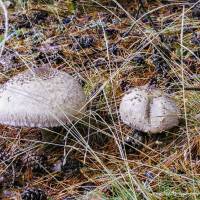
(109, 50)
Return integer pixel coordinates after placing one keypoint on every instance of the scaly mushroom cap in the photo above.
(148, 110)
(44, 97)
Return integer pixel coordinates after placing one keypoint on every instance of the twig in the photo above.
(192, 88)
(2, 44)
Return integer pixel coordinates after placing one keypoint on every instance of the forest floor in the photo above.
(108, 47)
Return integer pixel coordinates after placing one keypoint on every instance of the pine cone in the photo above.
(135, 141)
(196, 11)
(4, 155)
(161, 66)
(71, 165)
(34, 161)
(33, 194)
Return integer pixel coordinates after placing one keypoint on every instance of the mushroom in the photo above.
(148, 110)
(44, 98)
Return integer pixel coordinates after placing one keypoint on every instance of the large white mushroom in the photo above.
(148, 110)
(43, 97)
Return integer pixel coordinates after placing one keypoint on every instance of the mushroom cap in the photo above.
(148, 110)
(44, 97)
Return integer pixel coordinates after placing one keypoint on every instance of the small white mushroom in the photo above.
(148, 110)
(44, 97)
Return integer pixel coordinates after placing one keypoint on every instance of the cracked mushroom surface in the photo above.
(149, 110)
(42, 97)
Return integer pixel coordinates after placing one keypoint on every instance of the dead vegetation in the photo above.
(109, 47)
